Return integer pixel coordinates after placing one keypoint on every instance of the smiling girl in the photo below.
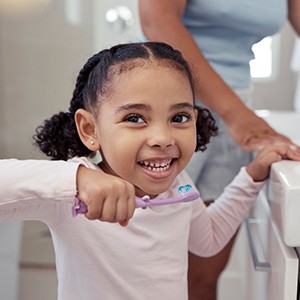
(134, 104)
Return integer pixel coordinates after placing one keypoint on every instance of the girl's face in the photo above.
(147, 128)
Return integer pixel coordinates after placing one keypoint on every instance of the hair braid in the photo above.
(58, 137)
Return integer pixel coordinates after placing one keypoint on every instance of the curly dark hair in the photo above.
(58, 138)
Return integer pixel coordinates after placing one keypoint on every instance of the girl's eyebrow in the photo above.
(184, 105)
(140, 106)
(133, 106)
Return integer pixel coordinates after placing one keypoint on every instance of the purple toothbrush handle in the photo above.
(80, 207)
(190, 196)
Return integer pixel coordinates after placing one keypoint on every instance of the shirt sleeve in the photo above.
(29, 189)
(213, 226)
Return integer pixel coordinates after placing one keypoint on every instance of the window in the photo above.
(264, 66)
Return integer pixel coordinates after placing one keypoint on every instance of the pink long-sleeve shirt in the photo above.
(99, 260)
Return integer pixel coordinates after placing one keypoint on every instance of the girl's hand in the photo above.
(259, 168)
(108, 198)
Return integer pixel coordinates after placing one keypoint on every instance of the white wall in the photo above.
(278, 93)
(41, 54)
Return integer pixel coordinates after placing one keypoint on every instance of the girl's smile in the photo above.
(156, 166)
(147, 127)
(157, 169)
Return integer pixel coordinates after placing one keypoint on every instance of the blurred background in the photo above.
(43, 45)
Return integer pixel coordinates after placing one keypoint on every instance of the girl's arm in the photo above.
(161, 21)
(213, 227)
(28, 187)
(45, 190)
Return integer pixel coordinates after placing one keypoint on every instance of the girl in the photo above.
(134, 104)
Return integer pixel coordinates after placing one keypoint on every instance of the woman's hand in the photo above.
(259, 168)
(108, 198)
(253, 133)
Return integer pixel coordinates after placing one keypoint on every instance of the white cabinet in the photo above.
(261, 267)
(272, 272)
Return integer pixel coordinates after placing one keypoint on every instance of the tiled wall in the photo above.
(41, 54)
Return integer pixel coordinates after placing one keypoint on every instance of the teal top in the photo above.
(225, 31)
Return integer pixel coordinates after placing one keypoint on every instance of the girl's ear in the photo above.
(86, 128)
(196, 114)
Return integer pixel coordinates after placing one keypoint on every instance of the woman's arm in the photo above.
(161, 20)
(294, 15)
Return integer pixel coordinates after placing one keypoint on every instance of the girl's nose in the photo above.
(161, 137)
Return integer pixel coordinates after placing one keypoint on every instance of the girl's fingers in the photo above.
(259, 168)
(125, 208)
(94, 209)
(124, 223)
(118, 209)
(109, 209)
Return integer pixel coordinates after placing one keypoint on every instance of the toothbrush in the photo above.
(186, 194)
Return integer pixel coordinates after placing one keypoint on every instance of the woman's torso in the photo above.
(225, 31)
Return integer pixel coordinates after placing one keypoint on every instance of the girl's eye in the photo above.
(181, 118)
(134, 119)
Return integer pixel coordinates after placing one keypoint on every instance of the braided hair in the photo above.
(58, 138)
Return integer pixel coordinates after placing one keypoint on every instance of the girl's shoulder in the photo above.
(87, 162)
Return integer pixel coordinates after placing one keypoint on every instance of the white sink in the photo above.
(284, 184)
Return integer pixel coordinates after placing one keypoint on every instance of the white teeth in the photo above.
(156, 166)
